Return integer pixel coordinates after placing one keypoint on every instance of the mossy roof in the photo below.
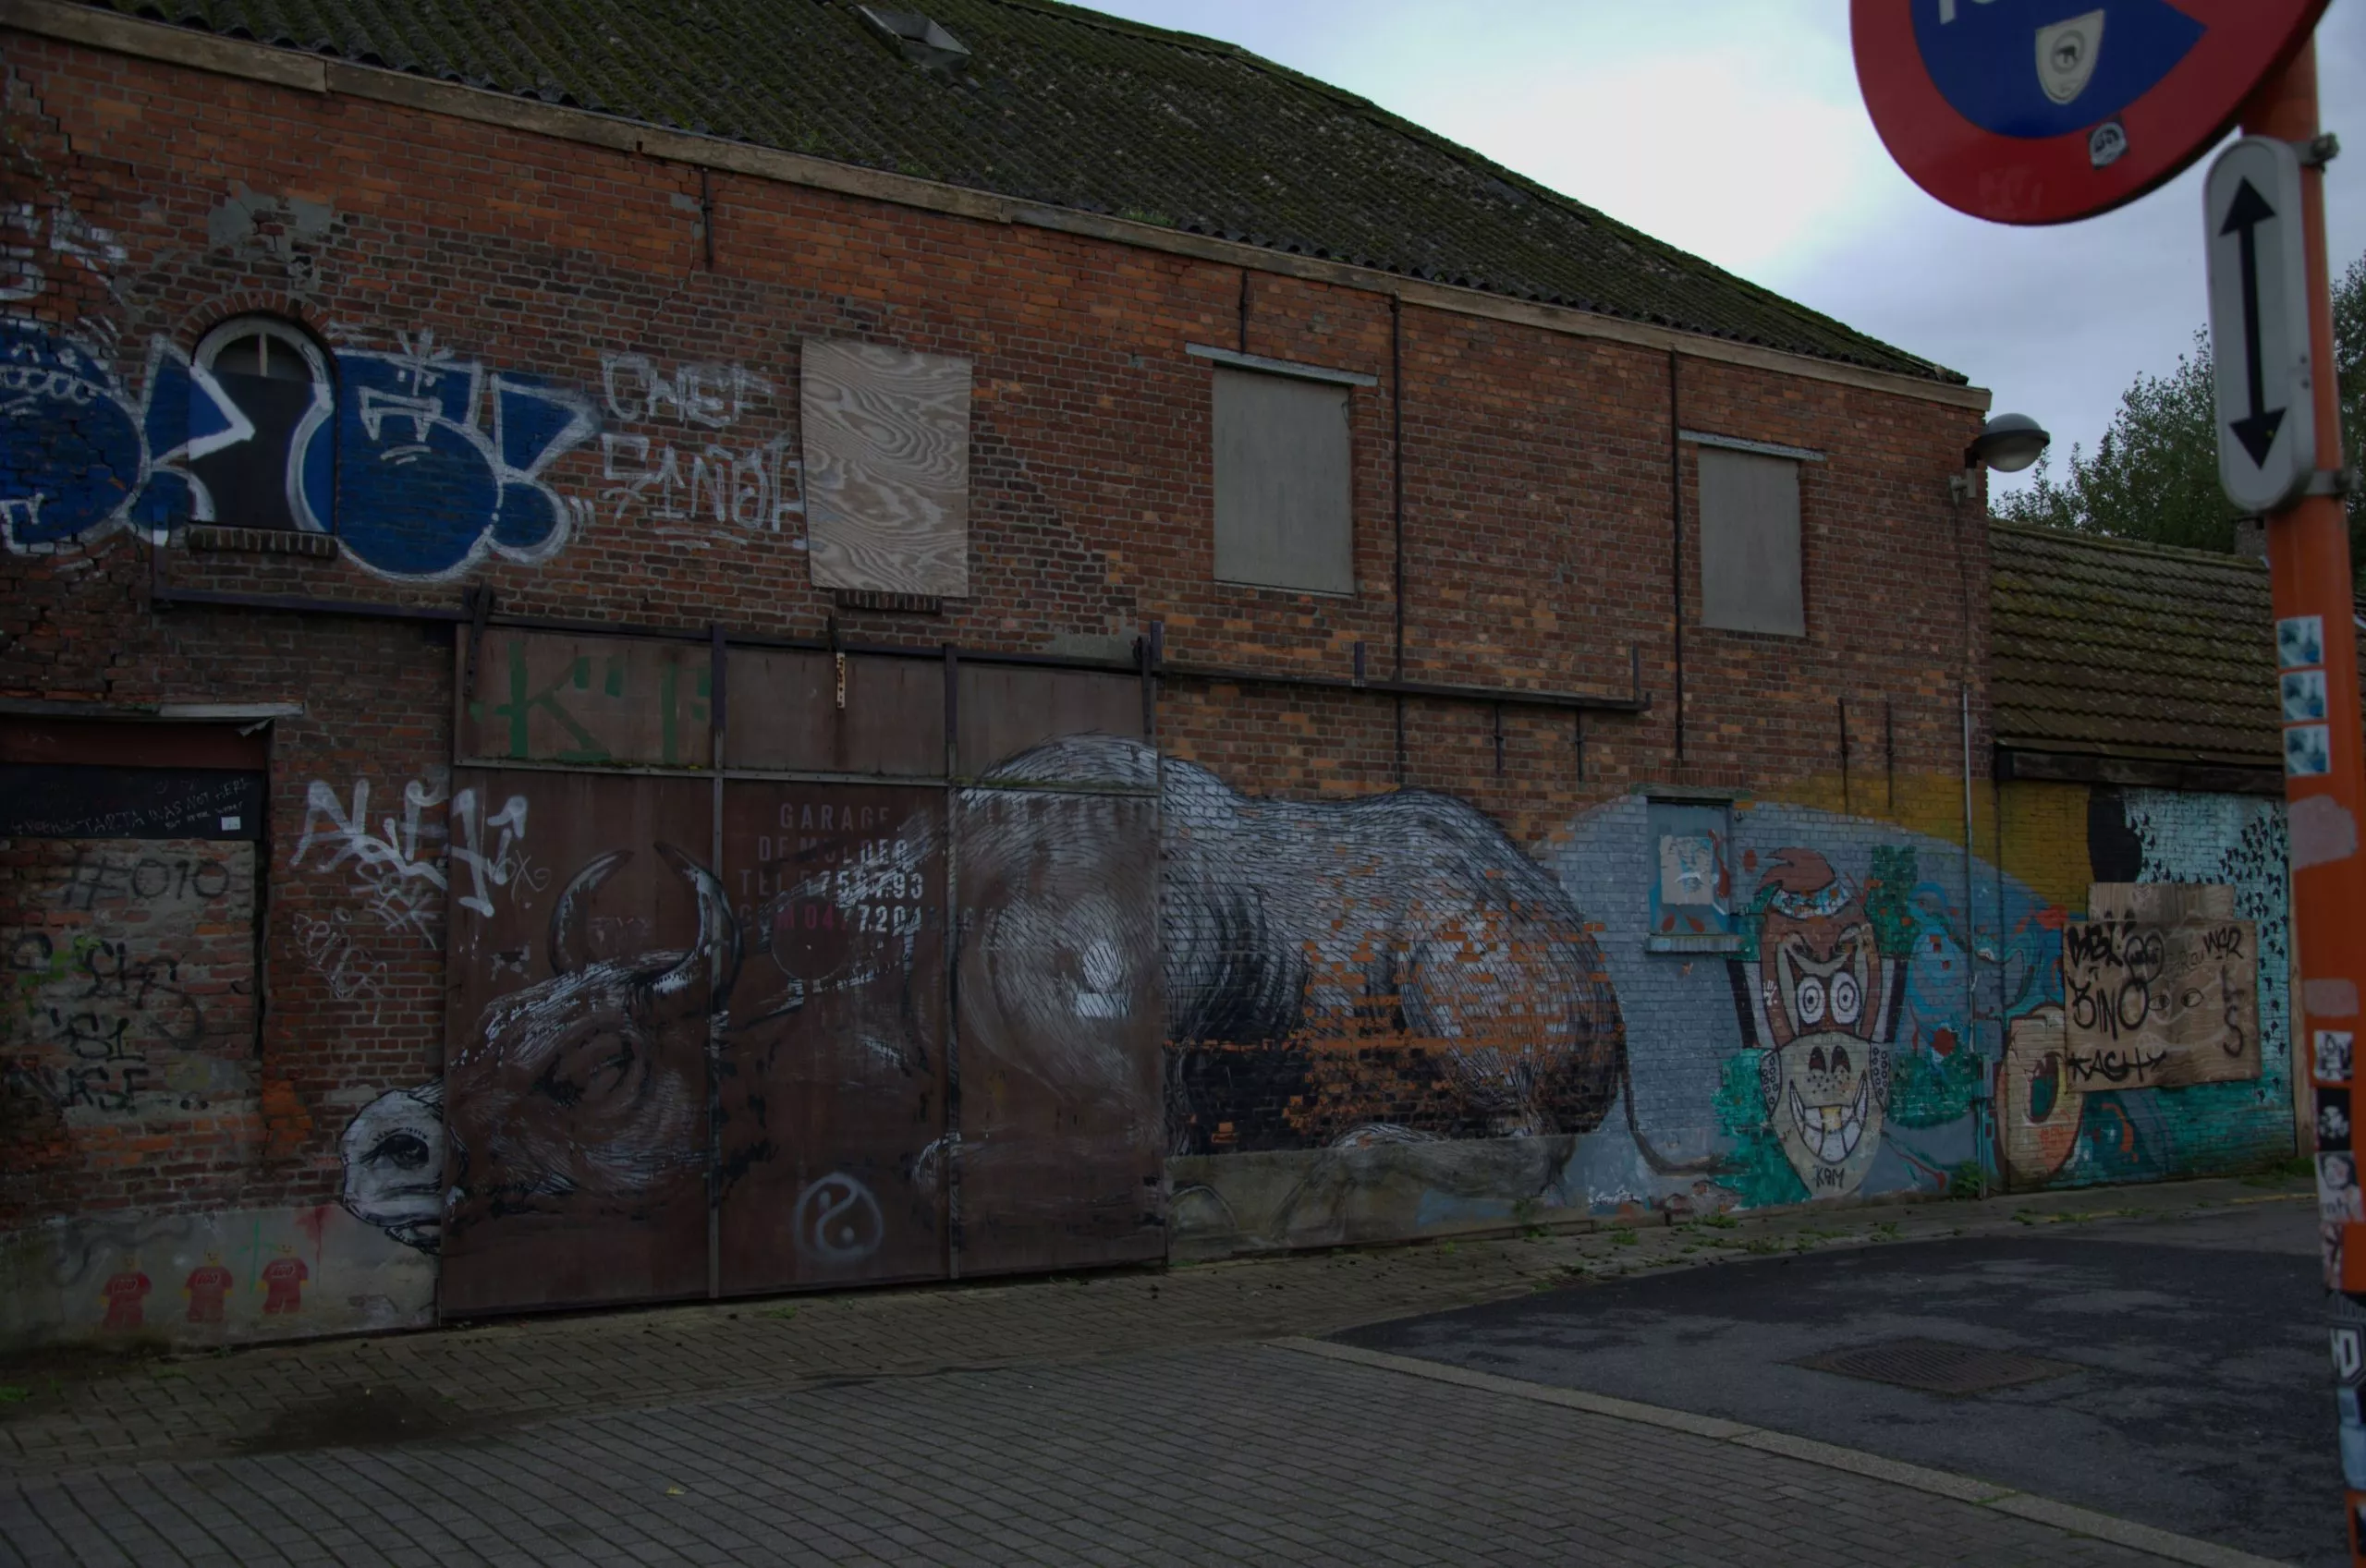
(2109, 647)
(1069, 108)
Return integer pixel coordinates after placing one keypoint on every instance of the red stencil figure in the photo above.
(283, 1282)
(208, 1285)
(124, 1291)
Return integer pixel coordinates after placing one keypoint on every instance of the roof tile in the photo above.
(2109, 645)
(1068, 108)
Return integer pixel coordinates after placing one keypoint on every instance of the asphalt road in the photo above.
(2199, 1399)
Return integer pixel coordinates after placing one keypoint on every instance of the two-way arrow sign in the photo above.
(2256, 429)
(2259, 323)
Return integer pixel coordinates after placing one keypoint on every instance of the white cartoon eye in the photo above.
(1810, 1001)
(1847, 1000)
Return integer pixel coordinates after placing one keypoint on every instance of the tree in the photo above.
(2154, 473)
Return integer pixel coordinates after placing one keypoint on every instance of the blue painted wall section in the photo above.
(1846, 1047)
(1977, 960)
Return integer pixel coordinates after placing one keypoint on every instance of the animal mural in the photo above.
(1382, 973)
(580, 1095)
(1384, 970)
(1386, 995)
(393, 1158)
(575, 1096)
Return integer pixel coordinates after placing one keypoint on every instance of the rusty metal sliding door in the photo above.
(832, 1102)
(712, 1027)
(586, 936)
(1057, 973)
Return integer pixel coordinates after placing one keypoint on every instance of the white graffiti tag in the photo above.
(403, 864)
(836, 1219)
(330, 950)
(756, 484)
(506, 864)
(71, 239)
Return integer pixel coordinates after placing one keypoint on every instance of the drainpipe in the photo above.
(1675, 543)
(1970, 910)
(1396, 486)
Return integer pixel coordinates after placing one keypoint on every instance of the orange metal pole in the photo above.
(2307, 546)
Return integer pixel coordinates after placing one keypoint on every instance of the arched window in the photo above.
(280, 380)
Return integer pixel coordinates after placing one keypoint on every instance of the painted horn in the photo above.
(718, 933)
(570, 951)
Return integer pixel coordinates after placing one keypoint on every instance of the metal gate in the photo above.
(710, 1028)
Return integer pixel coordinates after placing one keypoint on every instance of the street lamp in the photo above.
(2007, 444)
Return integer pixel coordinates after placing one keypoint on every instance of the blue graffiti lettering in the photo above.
(443, 461)
(430, 464)
(80, 455)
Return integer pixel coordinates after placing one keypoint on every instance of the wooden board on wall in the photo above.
(887, 468)
(2160, 989)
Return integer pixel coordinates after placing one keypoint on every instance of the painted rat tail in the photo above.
(1709, 1164)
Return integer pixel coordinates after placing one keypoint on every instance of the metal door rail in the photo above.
(1149, 663)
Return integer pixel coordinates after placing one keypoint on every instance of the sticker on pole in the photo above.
(2043, 111)
(2259, 323)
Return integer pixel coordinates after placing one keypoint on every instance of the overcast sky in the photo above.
(1733, 128)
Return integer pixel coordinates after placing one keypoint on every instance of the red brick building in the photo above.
(783, 647)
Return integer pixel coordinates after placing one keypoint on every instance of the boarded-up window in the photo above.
(1284, 513)
(128, 858)
(887, 469)
(1750, 543)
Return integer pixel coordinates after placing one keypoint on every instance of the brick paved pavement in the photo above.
(1219, 1454)
(968, 1415)
(461, 1379)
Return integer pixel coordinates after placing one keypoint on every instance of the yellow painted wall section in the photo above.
(2044, 840)
(1923, 803)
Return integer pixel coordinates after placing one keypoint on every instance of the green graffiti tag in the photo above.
(600, 703)
(1756, 1168)
(1929, 1091)
(519, 709)
(1892, 878)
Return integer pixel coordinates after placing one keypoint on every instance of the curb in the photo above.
(2062, 1516)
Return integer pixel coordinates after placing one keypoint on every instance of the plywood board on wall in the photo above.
(887, 468)
(1285, 483)
(2161, 903)
(2160, 989)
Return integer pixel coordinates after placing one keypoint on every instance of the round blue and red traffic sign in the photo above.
(2043, 111)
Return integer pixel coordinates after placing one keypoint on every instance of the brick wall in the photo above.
(567, 406)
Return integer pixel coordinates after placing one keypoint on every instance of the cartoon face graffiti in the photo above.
(2041, 1100)
(1821, 1001)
